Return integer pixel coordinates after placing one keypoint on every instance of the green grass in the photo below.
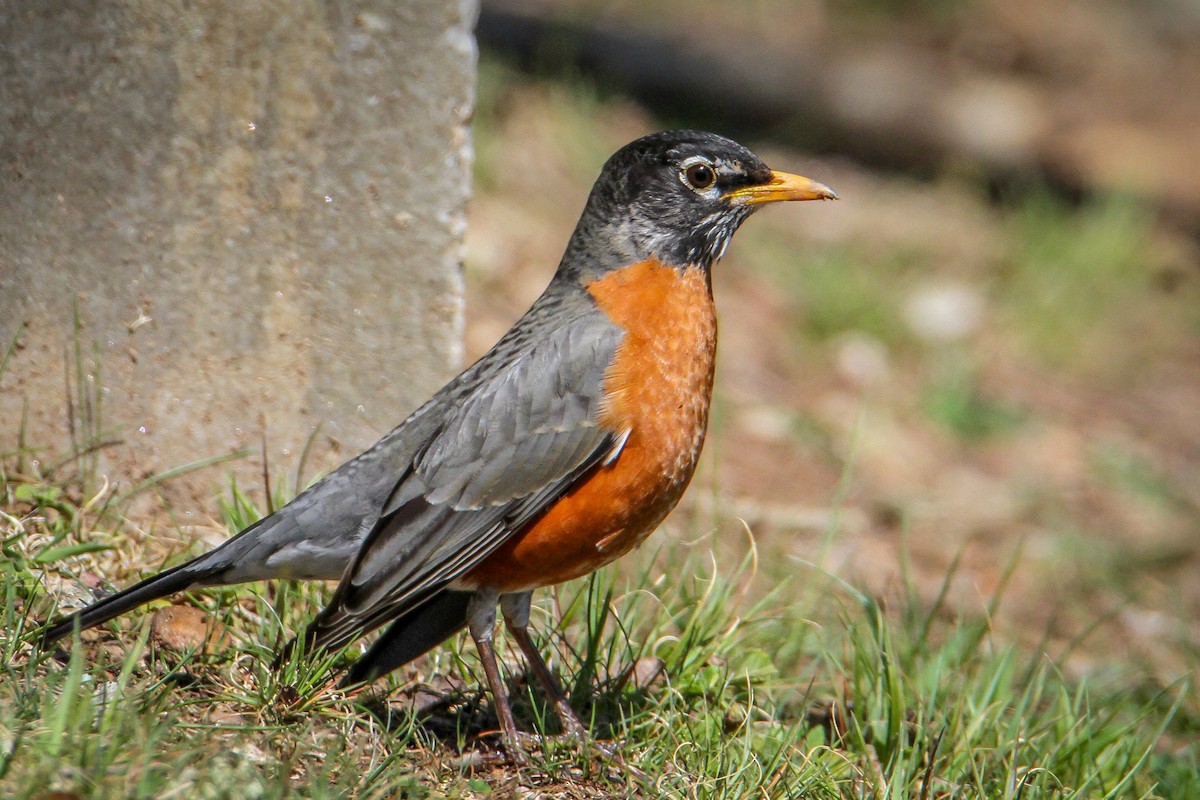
(774, 680)
(1079, 283)
(834, 290)
(955, 400)
(1135, 475)
(812, 690)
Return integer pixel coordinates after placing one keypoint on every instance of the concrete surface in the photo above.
(255, 212)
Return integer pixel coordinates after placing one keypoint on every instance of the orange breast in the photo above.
(658, 388)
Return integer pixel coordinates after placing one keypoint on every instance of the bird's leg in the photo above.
(516, 616)
(481, 620)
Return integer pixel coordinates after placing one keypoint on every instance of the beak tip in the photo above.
(823, 192)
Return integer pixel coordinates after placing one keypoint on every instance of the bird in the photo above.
(558, 451)
(568, 443)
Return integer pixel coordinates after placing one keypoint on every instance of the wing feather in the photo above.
(522, 429)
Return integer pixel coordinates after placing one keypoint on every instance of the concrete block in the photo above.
(254, 212)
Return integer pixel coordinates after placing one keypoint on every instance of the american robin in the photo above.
(558, 451)
(571, 440)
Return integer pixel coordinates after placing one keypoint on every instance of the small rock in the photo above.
(944, 312)
(372, 23)
(253, 753)
(230, 719)
(998, 121)
(862, 359)
(105, 691)
(182, 628)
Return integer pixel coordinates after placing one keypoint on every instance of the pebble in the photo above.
(183, 628)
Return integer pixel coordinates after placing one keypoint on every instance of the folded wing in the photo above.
(499, 459)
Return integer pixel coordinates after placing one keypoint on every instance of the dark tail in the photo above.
(165, 583)
(411, 636)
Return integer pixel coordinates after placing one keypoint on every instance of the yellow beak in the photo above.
(782, 186)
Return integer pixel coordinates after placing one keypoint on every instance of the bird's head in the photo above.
(678, 197)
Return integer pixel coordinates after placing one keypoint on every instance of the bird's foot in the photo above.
(513, 751)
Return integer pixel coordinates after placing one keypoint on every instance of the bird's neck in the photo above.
(600, 248)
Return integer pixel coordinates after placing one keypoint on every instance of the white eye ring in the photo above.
(698, 174)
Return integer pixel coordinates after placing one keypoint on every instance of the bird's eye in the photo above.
(700, 176)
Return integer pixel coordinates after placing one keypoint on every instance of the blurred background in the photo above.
(982, 366)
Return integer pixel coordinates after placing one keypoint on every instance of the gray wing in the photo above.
(518, 439)
(318, 534)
